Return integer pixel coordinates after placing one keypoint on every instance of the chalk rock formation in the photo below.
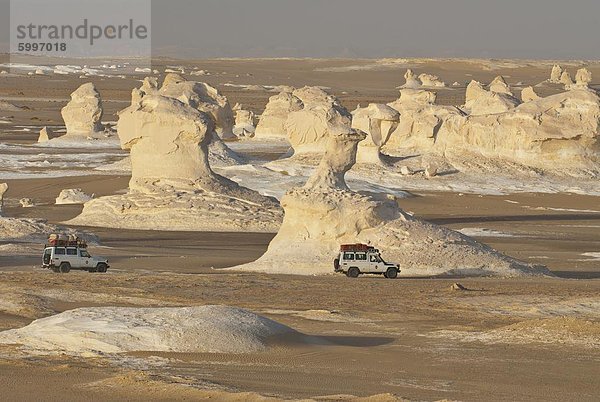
(307, 128)
(378, 122)
(172, 186)
(26, 203)
(324, 213)
(73, 196)
(83, 114)
(499, 86)
(203, 97)
(429, 80)
(3, 190)
(46, 134)
(528, 94)
(411, 80)
(555, 76)
(272, 121)
(566, 80)
(583, 78)
(198, 329)
(557, 133)
(482, 102)
(245, 122)
(420, 119)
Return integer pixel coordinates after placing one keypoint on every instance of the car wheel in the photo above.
(101, 267)
(353, 272)
(64, 268)
(391, 273)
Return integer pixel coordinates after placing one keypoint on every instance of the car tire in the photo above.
(64, 268)
(101, 267)
(353, 272)
(391, 273)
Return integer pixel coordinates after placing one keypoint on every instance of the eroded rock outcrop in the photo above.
(378, 122)
(245, 122)
(307, 128)
(83, 114)
(566, 80)
(325, 213)
(528, 94)
(556, 74)
(3, 190)
(411, 80)
(420, 119)
(583, 78)
(46, 134)
(499, 86)
(558, 133)
(479, 101)
(430, 80)
(272, 121)
(172, 186)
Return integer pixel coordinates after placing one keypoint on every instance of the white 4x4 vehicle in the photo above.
(356, 259)
(64, 258)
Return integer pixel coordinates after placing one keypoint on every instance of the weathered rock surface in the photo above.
(378, 122)
(272, 121)
(83, 114)
(528, 94)
(479, 101)
(307, 128)
(430, 80)
(411, 80)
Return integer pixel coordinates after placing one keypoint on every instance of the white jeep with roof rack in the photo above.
(356, 259)
(64, 253)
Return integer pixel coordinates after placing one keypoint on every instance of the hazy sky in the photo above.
(551, 29)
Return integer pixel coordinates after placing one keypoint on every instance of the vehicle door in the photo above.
(59, 256)
(47, 256)
(85, 258)
(375, 262)
(72, 257)
(347, 260)
(361, 262)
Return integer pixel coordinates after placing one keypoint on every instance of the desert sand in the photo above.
(325, 337)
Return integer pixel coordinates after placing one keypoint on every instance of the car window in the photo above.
(48, 251)
(84, 253)
(71, 251)
(349, 256)
(374, 258)
(361, 257)
(59, 251)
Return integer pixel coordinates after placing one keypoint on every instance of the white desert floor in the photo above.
(417, 339)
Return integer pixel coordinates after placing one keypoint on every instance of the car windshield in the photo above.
(84, 253)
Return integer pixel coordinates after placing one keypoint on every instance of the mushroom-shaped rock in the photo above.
(411, 80)
(378, 122)
(83, 114)
(272, 120)
(307, 128)
(172, 186)
(324, 214)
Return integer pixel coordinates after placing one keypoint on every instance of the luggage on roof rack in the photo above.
(63, 240)
(356, 247)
